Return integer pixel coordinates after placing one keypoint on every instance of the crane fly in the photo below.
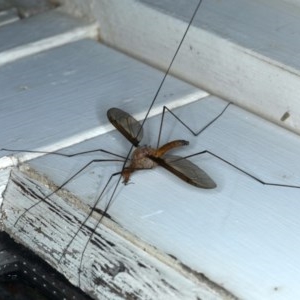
(146, 157)
(142, 158)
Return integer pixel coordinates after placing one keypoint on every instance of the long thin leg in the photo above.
(241, 170)
(150, 107)
(63, 154)
(196, 133)
(65, 183)
(184, 124)
(90, 213)
(100, 219)
(171, 63)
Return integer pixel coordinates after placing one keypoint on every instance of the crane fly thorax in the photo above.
(140, 158)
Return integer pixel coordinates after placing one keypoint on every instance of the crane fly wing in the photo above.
(185, 170)
(126, 124)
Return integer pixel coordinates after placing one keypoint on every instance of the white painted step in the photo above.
(8, 16)
(242, 50)
(41, 32)
(59, 97)
(241, 234)
(238, 235)
(64, 99)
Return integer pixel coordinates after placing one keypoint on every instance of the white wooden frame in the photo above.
(242, 232)
(244, 51)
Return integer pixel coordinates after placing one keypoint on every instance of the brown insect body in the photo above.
(141, 157)
(147, 157)
(139, 160)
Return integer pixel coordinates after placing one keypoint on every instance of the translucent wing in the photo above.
(185, 170)
(126, 124)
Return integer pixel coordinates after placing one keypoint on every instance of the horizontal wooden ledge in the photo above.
(115, 265)
(42, 32)
(8, 16)
(60, 97)
(212, 232)
(244, 51)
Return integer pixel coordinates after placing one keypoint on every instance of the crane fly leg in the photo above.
(195, 133)
(241, 170)
(61, 186)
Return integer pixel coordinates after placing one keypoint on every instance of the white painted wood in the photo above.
(238, 235)
(60, 97)
(295, 2)
(113, 267)
(245, 51)
(42, 32)
(68, 115)
(8, 16)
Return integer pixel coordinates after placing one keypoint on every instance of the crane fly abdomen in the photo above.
(169, 146)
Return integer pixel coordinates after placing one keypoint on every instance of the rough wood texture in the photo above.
(40, 33)
(112, 267)
(241, 234)
(8, 16)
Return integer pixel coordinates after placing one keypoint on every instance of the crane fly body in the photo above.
(145, 157)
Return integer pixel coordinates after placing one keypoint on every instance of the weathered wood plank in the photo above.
(63, 97)
(42, 32)
(8, 16)
(238, 234)
(112, 267)
(242, 232)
